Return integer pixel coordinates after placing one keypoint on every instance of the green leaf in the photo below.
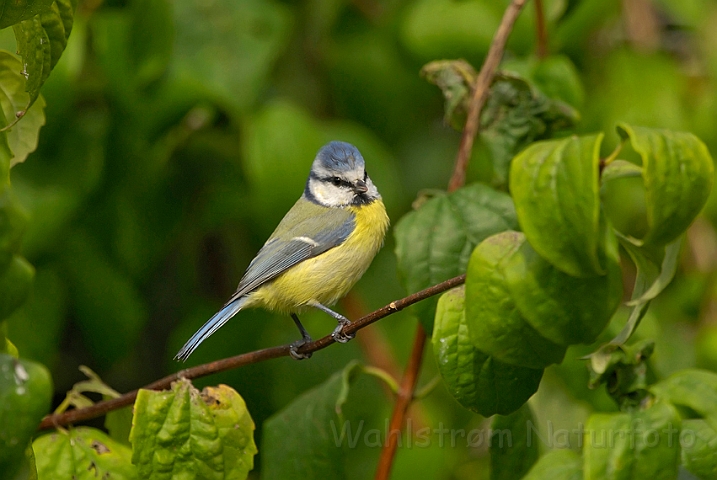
(304, 439)
(538, 290)
(455, 78)
(678, 172)
(15, 284)
(699, 444)
(476, 380)
(650, 280)
(23, 136)
(692, 388)
(620, 169)
(41, 40)
(515, 115)
(183, 432)
(235, 427)
(512, 459)
(667, 273)
(434, 243)
(626, 446)
(76, 395)
(558, 464)
(555, 187)
(25, 394)
(82, 453)
(14, 11)
(495, 324)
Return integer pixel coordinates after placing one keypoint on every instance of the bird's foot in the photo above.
(338, 333)
(294, 349)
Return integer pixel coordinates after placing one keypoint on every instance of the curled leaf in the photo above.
(678, 172)
(555, 187)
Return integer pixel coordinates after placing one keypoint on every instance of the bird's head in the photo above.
(338, 177)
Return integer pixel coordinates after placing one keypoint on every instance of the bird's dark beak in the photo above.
(360, 187)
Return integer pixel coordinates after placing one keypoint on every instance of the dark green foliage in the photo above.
(173, 136)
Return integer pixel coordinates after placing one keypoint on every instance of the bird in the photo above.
(319, 250)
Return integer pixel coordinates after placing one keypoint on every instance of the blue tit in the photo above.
(320, 249)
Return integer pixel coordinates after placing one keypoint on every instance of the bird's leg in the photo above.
(338, 333)
(305, 338)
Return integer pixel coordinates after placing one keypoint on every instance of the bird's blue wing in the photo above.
(306, 231)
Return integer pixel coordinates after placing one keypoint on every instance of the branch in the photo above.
(480, 93)
(403, 401)
(540, 30)
(101, 408)
(458, 179)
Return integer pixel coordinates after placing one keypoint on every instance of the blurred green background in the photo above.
(179, 133)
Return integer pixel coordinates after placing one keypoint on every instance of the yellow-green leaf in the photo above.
(182, 432)
(82, 453)
(555, 187)
(22, 137)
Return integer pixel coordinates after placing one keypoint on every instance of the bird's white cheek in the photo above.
(330, 195)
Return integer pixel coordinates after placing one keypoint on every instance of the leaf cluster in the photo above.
(179, 133)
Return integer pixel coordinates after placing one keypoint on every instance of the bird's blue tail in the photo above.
(212, 325)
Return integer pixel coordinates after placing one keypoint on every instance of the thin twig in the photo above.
(102, 408)
(374, 345)
(458, 179)
(403, 401)
(540, 30)
(480, 92)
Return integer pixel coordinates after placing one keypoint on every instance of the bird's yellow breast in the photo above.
(329, 276)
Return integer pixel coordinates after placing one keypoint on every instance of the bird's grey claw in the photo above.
(339, 335)
(294, 349)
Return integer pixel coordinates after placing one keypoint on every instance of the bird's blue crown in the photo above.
(340, 157)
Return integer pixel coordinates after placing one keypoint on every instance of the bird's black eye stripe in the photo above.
(365, 175)
(337, 181)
